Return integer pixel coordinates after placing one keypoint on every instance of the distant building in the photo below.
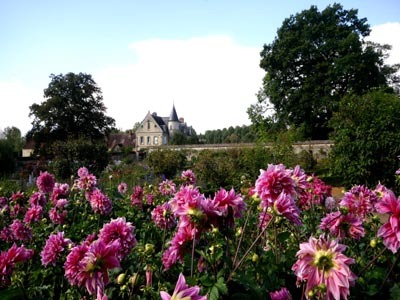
(157, 131)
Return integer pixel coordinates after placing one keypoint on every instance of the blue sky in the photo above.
(202, 55)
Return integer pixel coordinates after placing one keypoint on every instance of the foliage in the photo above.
(8, 159)
(229, 255)
(237, 134)
(73, 112)
(182, 139)
(13, 135)
(367, 138)
(317, 58)
(166, 163)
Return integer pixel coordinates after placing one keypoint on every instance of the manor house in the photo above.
(157, 131)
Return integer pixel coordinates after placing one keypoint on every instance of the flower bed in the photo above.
(282, 236)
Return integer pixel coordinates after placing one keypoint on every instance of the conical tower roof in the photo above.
(173, 117)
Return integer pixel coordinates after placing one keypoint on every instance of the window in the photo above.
(148, 124)
(141, 140)
(148, 140)
(155, 142)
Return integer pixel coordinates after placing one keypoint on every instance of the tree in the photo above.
(73, 111)
(317, 58)
(13, 135)
(367, 139)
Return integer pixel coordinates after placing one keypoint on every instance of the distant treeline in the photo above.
(238, 134)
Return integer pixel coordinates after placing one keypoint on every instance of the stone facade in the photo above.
(155, 131)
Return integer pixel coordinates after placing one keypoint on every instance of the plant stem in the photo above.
(241, 237)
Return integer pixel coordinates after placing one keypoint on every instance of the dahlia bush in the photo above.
(281, 236)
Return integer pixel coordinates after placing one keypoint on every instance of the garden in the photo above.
(279, 235)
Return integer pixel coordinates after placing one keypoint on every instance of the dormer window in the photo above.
(148, 124)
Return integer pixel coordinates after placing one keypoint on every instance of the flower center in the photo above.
(323, 260)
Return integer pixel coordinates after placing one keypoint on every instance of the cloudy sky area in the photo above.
(201, 55)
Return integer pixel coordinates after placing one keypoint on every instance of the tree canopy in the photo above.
(367, 139)
(73, 111)
(317, 58)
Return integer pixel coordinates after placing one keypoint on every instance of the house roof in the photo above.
(121, 139)
(173, 116)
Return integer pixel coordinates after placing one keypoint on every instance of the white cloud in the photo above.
(212, 81)
(388, 33)
(15, 99)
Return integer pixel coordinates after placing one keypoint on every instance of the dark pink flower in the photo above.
(390, 231)
(33, 214)
(58, 213)
(137, 196)
(163, 217)
(86, 181)
(272, 182)
(38, 198)
(359, 201)
(285, 206)
(45, 182)
(264, 218)
(100, 202)
(225, 201)
(121, 231)
(60, 190)
(282, 294)
(322, 262)
(53, 249)
(183, 291)
(315, 193)
(167, 187)
(20, 231)
(343, 225)
(122, 188)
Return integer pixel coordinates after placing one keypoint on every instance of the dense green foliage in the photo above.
(72, 113)
(7, 157)
(166, 163)
(237, 134)
(317, 58)
(367, 138)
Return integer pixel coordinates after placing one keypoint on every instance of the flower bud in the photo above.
(372, 243)
(121, 278)
(255, 258)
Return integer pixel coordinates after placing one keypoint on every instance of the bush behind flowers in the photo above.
(282, 236)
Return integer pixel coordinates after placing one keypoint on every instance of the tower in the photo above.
(173, 121)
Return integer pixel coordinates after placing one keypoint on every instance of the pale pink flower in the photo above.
(300, 178)
(315, 193)
(121, 231)
(183, 291)
(284, 205)
(359, 201)
(390, 231)
(282, 294)
(188, 177)
(60, 190)
(83, 172)
(53, 249)
(100, 202)
(272, 182)
(264, 218)
(322, 262)
(225, 201)
(163, 217)
(167, 187)
(58, 213)
(122, 188)
(343, 225)
(45, 182)
(86, 181)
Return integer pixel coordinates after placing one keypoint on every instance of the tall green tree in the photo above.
(367, 139)
(317, 58)
(73, 111)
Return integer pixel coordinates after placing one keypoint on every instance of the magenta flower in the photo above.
(282, 294)
(137, 196)
(359, 201)
(272, 182)
(342, 226)
(83, 172)
(224, 201)
(20, 231)
(100, 202)
(33, 214)
(58, 213)
(121, 231)
(60, 191)
(45, 182)
(86, 180)
(53, 249)
(285, 206)
(122, 188)
(183, 291)
(163, 217)
(167, 187)
(37, 198)
(315, 193)
(390, 231)
(322, 263)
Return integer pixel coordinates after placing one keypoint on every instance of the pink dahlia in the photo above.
(100, 202)
(37, 198)
(60, 190)
(20, 231)
(53, 249)
(188, 177)
(167, 187)
(272, 182)
(121, 231)
(163, 217)
(359, 201)
(58, 213)
(137, 196)
(285, 206)
(225, 201)
(282, 294)
(183, 291)
(45, 182)
(321, 262)
(86, 180)
(390, 231)
(342, 226)
(315, 192)
(33, 214)
(122, 188)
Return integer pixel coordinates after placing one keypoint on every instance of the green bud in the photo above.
(372, 243)
(121, 278)
(255, 258)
